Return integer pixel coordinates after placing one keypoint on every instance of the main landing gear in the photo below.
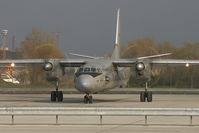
(57, 95)
(146, 95)
(88, 99)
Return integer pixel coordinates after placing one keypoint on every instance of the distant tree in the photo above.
(40, 37)
(166, 47)
(169, 76)
(48, 51)
(38, 44)
(140, 47)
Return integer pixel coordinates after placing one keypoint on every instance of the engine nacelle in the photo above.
(143, 70)
(48, 66)
(139, 66)
(54, 71)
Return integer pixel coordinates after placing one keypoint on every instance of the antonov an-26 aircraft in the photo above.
(97, 74)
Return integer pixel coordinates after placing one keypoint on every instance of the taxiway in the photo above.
(100, 100)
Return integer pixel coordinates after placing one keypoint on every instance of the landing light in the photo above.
(12, 64)
(187, 65)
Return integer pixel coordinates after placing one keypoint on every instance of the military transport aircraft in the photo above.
(97, 74)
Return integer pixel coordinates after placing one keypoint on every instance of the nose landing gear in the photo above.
(88, 99)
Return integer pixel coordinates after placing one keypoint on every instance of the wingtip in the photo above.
(169, 53)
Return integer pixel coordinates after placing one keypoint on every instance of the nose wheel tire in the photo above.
(60, 96)
(85, 99)
(56, 96)
(149, 96)
(88, 99)
(142, 97)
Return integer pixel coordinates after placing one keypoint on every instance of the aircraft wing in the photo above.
(124, 62)
(63, 62)
(23, 61)
(85, 56)
(173, 62)
(72, 62)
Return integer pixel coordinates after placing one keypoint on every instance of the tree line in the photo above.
(40, 44)
(37, 44)
(165, 76)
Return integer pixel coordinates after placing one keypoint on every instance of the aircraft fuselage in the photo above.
(99, 75)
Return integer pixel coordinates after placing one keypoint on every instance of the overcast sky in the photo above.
(89, 25)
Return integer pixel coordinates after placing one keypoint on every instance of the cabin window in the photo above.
(87, 69)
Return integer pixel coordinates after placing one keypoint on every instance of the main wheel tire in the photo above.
(60, 96)
(149, 96)
(86, 99)
(142, 96)
(53, 96)
(90, 99)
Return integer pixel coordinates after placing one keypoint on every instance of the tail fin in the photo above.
(116, 52)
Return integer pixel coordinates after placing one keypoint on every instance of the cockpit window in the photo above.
(87, 69)
(81, 70)
(93, 69)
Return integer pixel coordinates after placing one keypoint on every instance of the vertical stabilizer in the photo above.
(116, 52)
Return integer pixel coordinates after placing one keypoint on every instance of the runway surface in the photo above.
(97, 129)
(100, 100)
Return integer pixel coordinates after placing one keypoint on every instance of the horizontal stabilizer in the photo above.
(154, 56)
(85, 56)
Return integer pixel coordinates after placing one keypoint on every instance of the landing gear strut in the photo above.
(146, 95)
(57, 95)
(88, 99)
